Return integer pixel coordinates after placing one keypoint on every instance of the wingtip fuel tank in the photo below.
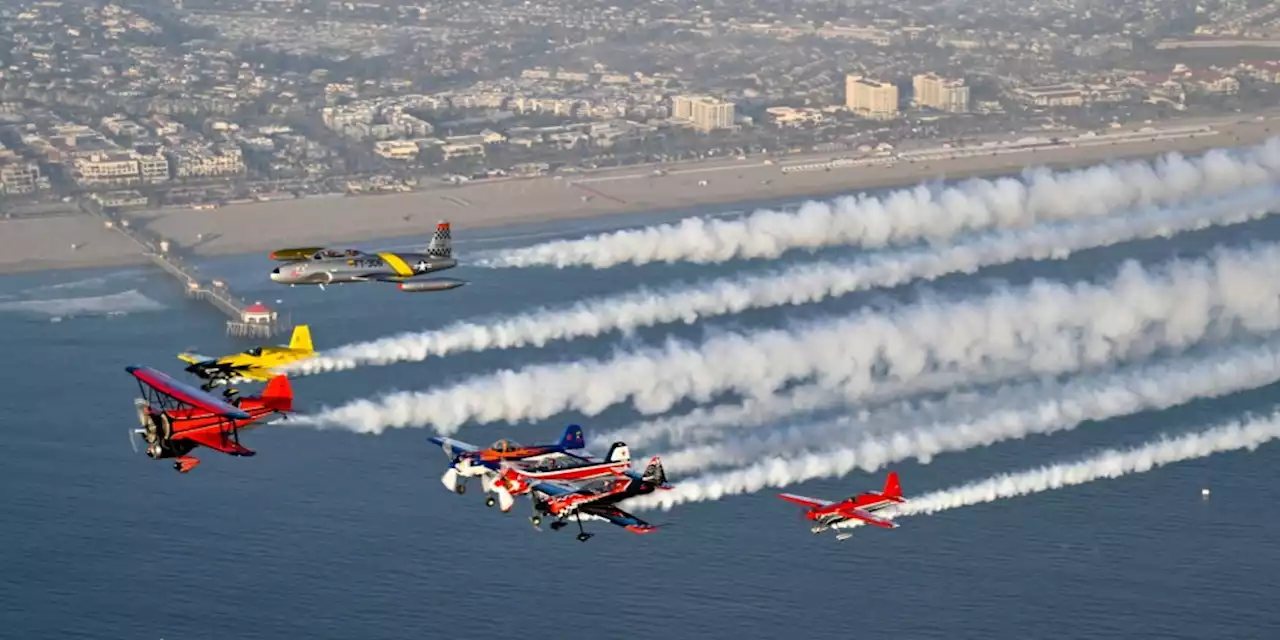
(434, 284)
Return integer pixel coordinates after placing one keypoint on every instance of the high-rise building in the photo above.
(943, 94)
(704, 112)
(870, 98)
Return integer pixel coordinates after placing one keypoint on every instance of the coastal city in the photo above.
(208, 102)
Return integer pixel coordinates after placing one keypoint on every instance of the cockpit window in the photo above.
(255, 352)
(504, 445)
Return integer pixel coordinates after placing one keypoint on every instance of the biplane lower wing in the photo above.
(215, 440)
(185, 393)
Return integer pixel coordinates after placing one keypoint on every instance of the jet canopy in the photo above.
(335, 253)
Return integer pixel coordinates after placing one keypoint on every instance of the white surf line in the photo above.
(794, 286)
(1031, 409)
(908, 215)
(1248, 434)
(1044, 328)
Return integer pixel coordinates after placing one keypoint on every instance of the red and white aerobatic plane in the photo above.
(855, 511)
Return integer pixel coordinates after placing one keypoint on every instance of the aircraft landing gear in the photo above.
(583, 536)
(490, 501)
(461, 488)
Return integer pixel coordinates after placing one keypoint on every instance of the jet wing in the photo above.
(867, 517)
(214, 439)
(618, 516)
(804, 501)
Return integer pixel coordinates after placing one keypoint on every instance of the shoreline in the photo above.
(43, 244)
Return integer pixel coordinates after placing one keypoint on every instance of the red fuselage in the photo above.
(189, 420)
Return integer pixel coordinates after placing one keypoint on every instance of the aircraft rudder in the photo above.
(278, 394)
(892, 487)
(619, 452)
(441, 245)
(654, 473)
(301, 340)
(573, 438)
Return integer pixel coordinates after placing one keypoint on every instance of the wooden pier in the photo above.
(243, 320)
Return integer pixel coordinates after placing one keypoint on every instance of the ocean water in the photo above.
(331, 534)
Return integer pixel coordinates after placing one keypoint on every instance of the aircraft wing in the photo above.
(618, 516)
(213, 439)
(183, 392)
(452, 447)
(804, 501)
(196, 358)
(257, 374)
(867, 517)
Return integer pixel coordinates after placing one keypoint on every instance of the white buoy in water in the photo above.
(1204, 493)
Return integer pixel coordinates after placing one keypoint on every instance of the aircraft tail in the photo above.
(441, 245)
(301, 340)
(619, 452)
(892, 488)
(653, 472)
(278, 394)
(573, 438)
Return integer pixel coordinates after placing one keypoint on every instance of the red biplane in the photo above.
(176, 417)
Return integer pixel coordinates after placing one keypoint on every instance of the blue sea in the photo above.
(332, 534)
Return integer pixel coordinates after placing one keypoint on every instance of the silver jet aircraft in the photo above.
(331, 266)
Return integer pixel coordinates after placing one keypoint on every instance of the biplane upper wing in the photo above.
(215, 439)
(186, 393)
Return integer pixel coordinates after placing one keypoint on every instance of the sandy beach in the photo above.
(45, 243)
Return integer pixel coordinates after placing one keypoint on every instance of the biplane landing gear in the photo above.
(185, 464)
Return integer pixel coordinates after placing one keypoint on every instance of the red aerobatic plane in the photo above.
(176, 417)
(857, 510)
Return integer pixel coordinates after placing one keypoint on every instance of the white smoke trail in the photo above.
(1043, 328)
(1034, 408)
(1112, 463)
(794, 286)
(909, 215)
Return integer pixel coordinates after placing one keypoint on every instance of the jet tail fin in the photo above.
(441, 245)
(301, 340)
(278, 394)
(573, 438)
